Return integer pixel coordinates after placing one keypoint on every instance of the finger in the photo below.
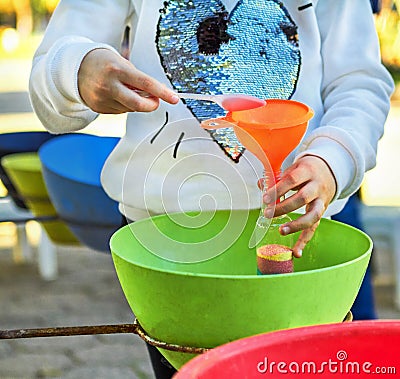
(118, 109)
(313, 214)
(270, 196)
(110, 107)
(132, 101)
(140, 80)
(266, 183)
(305, 195)
(292, 179)
(304, 239)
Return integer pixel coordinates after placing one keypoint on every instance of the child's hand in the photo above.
(315, 188)
(105, 82)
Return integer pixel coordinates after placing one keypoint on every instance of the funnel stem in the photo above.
(268, 229)
(277, 176)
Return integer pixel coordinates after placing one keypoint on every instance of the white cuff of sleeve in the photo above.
(66, 62)
(346, 166)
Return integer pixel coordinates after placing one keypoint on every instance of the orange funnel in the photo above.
(270, 132)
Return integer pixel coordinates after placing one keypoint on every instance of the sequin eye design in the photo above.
(212, 33)
(290, 32)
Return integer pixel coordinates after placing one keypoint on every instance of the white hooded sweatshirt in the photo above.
(322, 53)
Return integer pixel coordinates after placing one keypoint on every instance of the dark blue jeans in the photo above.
(364, 305)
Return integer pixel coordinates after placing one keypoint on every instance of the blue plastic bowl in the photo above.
(19, 142)
(72, 166)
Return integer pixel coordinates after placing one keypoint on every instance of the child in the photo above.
(322, 53)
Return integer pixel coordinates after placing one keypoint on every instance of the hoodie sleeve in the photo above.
(356, 91)
(76, 28)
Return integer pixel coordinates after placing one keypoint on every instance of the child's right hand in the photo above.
(105, 82)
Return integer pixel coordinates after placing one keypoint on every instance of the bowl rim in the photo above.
(365, 255)
(71, 140)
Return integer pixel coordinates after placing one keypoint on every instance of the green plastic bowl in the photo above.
(209, 303)
(25, 172)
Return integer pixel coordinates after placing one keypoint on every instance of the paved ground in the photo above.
(87, 291)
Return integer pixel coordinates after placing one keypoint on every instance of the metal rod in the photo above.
(68, 331)
(134, 328)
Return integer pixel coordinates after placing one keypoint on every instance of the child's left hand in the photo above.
(315, 187)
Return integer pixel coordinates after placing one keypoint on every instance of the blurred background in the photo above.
(77, 286)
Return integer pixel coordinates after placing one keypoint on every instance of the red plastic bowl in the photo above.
(358, 349)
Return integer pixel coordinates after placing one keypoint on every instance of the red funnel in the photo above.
(270, 132)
